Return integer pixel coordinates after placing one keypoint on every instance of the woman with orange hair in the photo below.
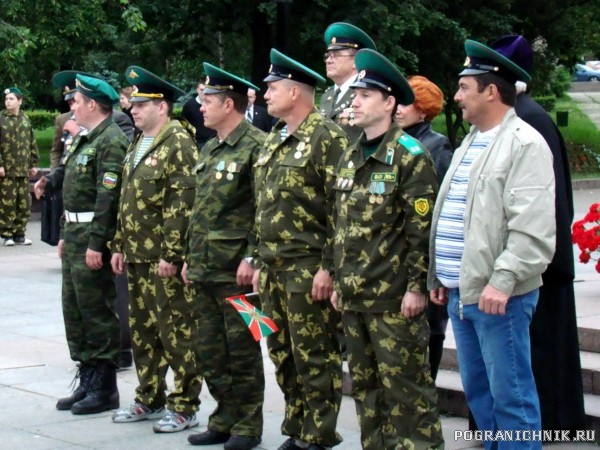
(415, 119)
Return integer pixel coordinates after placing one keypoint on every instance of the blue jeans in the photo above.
(494, 356)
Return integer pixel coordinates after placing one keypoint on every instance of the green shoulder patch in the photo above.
(413, 146)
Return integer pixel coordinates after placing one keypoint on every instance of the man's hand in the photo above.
(117, 264)
(493, 301)
(33, 172)
(184, 274)
(439, 296)
(244, 274)
(166, 269)
(2, 172)
(412, 304)
(322, 287)
(93, 259)
(255, 278)
(334, 300)
(39, 187)
(59, 248)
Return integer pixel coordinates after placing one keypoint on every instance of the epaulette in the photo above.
(413, 146)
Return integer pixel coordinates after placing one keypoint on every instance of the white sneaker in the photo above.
(8, 242)
(137, 412)
(174, 421)
(22, 240)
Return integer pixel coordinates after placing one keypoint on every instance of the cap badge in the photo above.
(362, 74)
(133, 74)
(134, 90)
(271, 68)
(467, 62)
(207, 80)
(6, 91)
(333, 40)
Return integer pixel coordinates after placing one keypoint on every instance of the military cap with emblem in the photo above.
(376, 71)
(148, 86)
(65, 80)
(96, 89)
(285, 68)
(14, 90)
(219, 80)
(342, 35)
(483, 59)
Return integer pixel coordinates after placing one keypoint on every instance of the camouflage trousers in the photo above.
(306, 354)
(395, 396)
(15, 205)
(232, 363)
(88, 301)
(163, 319)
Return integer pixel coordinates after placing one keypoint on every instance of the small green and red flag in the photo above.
(259, 324)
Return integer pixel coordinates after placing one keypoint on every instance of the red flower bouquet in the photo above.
(586, 234)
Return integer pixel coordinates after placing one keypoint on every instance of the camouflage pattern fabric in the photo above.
(306, 355)
(92, 175)
(231, 362)
(156, 200)
(294, 227)
(15, 206)
(220, 232)
(340, 112)
(383, 217)
(18, 154)
(164, 326)
(218, 238)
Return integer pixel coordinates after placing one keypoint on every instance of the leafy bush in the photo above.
(41, 119)
(560, 80)
(547, 102)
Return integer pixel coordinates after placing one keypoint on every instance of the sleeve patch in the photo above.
(421, 206)
(110, 180)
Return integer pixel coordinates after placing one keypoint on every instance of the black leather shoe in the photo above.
(242, 442)
(290, 444)
(208, 437)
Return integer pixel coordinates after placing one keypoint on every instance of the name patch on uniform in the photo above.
(110, 180)
(383, 176)
(421, 206)
(88, 151)
(411, 144)
(347, 173)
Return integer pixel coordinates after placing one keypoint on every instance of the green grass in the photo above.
(44, 142)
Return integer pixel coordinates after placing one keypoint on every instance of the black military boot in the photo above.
(85, 375)
(102, 394)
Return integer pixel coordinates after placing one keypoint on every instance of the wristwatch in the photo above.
(249, 260)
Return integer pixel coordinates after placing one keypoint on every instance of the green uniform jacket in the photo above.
(383, 212)
(294, 180)
(157, 197)
(223, 215)
(92, 175)
(18, 149)
(341, 112)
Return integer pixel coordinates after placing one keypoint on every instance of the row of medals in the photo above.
(231, 168)
(376, 189)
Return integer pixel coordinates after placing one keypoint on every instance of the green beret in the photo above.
(482, 59)
(96, 89)
(219, 80)
(14, 90)
(148, 86)
(65, 81)
(283, 67)
(376, 71)
(341, 35)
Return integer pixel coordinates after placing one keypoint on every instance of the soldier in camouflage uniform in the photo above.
(219, 263)
(18, 160)
(90, 176)
(294, 177)
(385, 187)
(343, 40)
(156, 201)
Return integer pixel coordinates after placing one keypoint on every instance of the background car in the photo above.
(585, 73)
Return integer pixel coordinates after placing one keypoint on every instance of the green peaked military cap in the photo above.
(148, 86)
(376, 71)
(65, 80)
(341, 35)
(96, 89)
(219, 80)
(14, 90)
(482, 59)
(283, 67)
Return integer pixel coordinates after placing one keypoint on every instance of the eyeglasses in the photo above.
(334, 55)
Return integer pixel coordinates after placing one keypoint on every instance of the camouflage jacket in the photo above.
(220, 231)
(341, 112)
(157, 197)
(92, 175)
(294, 196)
(383, 210)
(18, 149)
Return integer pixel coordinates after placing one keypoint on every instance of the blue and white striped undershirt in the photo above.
(145, 143)
(449, 238)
